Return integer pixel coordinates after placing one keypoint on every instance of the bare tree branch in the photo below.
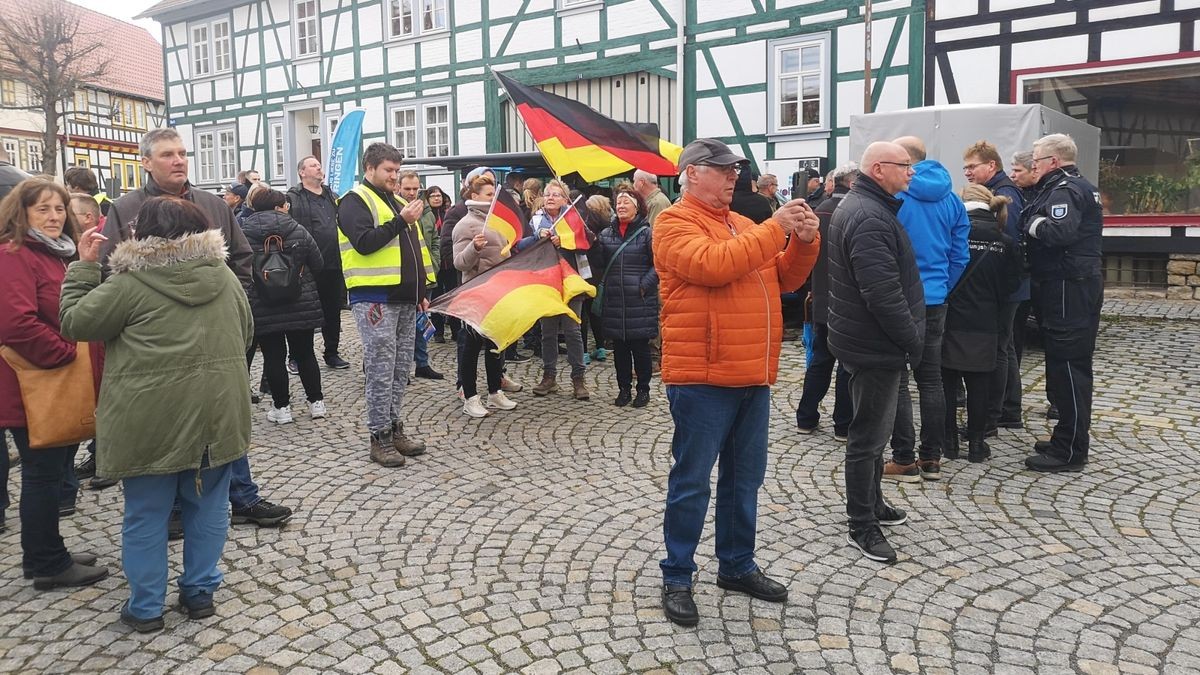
(44, 46)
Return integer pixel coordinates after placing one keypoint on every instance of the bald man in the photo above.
(876, 326)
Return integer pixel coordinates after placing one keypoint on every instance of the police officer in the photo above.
(1063, 225)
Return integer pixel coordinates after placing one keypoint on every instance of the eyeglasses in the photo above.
(905, 165)
(971, 167)
(1039, 159)
(732, 169)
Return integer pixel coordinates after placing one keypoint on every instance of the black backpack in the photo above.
(276, 273)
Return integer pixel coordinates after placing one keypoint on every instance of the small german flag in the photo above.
(505, 217)
(571, 230)
(573, 138)
(505, 301)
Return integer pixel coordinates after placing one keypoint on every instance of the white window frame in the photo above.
(417, 28)
(218, 162)
(13, 147)
(419, 109)
(402, 145)
(211, 55)
(33, 160)
(312, 25)
(277, 146)
(775, 50)
(569, 7)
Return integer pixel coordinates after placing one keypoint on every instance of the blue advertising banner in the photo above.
(341, 167)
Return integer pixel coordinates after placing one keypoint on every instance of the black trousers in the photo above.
(630, 356)
(470, 342)
(42, 472)
(1005, 397)
(1070, 315)
(447, 280)
(590, 323)
(873, 394)
(275, 350)
(331, 290)
(979, 400)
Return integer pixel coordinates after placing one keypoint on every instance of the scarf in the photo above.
(62, 247)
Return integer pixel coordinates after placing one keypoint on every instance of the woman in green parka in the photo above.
(174, 409)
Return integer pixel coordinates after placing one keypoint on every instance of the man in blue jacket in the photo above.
(937, 225)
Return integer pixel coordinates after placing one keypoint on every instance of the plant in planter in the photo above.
(1154, 193)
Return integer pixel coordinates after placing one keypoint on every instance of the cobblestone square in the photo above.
(529, 541)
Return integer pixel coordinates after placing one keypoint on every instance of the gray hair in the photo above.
(765, 179)
(683, 180)
(645, 175)
(1023, 158)
(844, 173)
(146, 145)
(1057, 145)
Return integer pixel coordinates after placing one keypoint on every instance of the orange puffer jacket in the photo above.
(722, 321)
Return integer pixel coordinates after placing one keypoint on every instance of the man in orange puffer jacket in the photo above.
(722, 326)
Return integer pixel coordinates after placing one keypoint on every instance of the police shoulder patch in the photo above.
(1059, 211)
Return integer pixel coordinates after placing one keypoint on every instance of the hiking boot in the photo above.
(198, 606)
(978, 450)
(890, 516)
(581, 392)
(905, 473)
(473, 407)
(510, 386)
(548, 385)
(87, 469)
(428, 373)
(87, 559)
(75, 575)
(1048, 464)
(263, 514)
(623, 398)
(140, 625)
(499, 400)
(931, 469)
(872, 543)
(641, 400)
(405, 445)
(383, 449)
(679, 606)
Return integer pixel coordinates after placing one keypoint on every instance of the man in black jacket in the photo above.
(876, 324)
(314, 206)
(747, 202)
(1063, 227)
(821, 366)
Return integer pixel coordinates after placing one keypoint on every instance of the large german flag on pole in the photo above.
(505, 217)
(573, 138)
(505, 301)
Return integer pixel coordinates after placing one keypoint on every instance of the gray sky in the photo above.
(126, 10)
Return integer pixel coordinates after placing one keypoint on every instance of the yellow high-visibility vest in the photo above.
(383, 267)
(100, 198)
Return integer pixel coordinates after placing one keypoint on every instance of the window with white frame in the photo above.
(799, 84)
(212, 48)
(422, 128)
(216, 155)
(410, 18)
(571, 4)
(13, 151)
(34, 159)
(277, 150)
(307, 26)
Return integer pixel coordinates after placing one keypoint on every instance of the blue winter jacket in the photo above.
(937, 224)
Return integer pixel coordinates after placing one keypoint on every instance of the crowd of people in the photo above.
(177, 289)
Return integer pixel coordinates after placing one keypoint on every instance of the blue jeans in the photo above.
(421, 350)
(726, 426)
(148, 502)
(243, 491)
(43, 473)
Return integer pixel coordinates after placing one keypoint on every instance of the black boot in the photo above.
(977, 449)
(951, 449)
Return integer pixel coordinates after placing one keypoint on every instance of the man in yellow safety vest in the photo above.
(387, 267)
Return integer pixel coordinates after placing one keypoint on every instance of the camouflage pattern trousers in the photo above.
(387, 333)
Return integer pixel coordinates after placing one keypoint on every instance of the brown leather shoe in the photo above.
(581, 390)
(383, 450)
(905, 473)
(548, 385)
(405, 445)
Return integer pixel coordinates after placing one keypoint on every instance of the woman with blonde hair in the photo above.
(531, 196)
(973, 318)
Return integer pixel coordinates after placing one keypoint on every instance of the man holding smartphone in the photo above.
(410, 190)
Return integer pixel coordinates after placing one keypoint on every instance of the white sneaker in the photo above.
(510, 385)
(499, 400)
(316, 409)
(280, 415)
(474, 407)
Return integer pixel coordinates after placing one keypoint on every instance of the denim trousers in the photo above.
(928, 375)
(421, 348)
(43, 490)
(726, 426)
(874, 393)
(148, 500)
(816, 385)
(243, 491)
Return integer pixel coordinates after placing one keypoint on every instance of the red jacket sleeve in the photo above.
(21, 328)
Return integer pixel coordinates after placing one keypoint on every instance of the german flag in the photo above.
(505, 217)
(573, 138)
(505, 301)
(571, 230)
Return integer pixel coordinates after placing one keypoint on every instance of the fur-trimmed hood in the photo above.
(187, 270)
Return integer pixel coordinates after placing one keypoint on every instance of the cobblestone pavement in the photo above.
(530, 540)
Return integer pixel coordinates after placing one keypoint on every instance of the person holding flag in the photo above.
(479, 245)
(543, 225)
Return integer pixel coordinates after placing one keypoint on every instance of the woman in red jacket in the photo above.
(37, 239)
